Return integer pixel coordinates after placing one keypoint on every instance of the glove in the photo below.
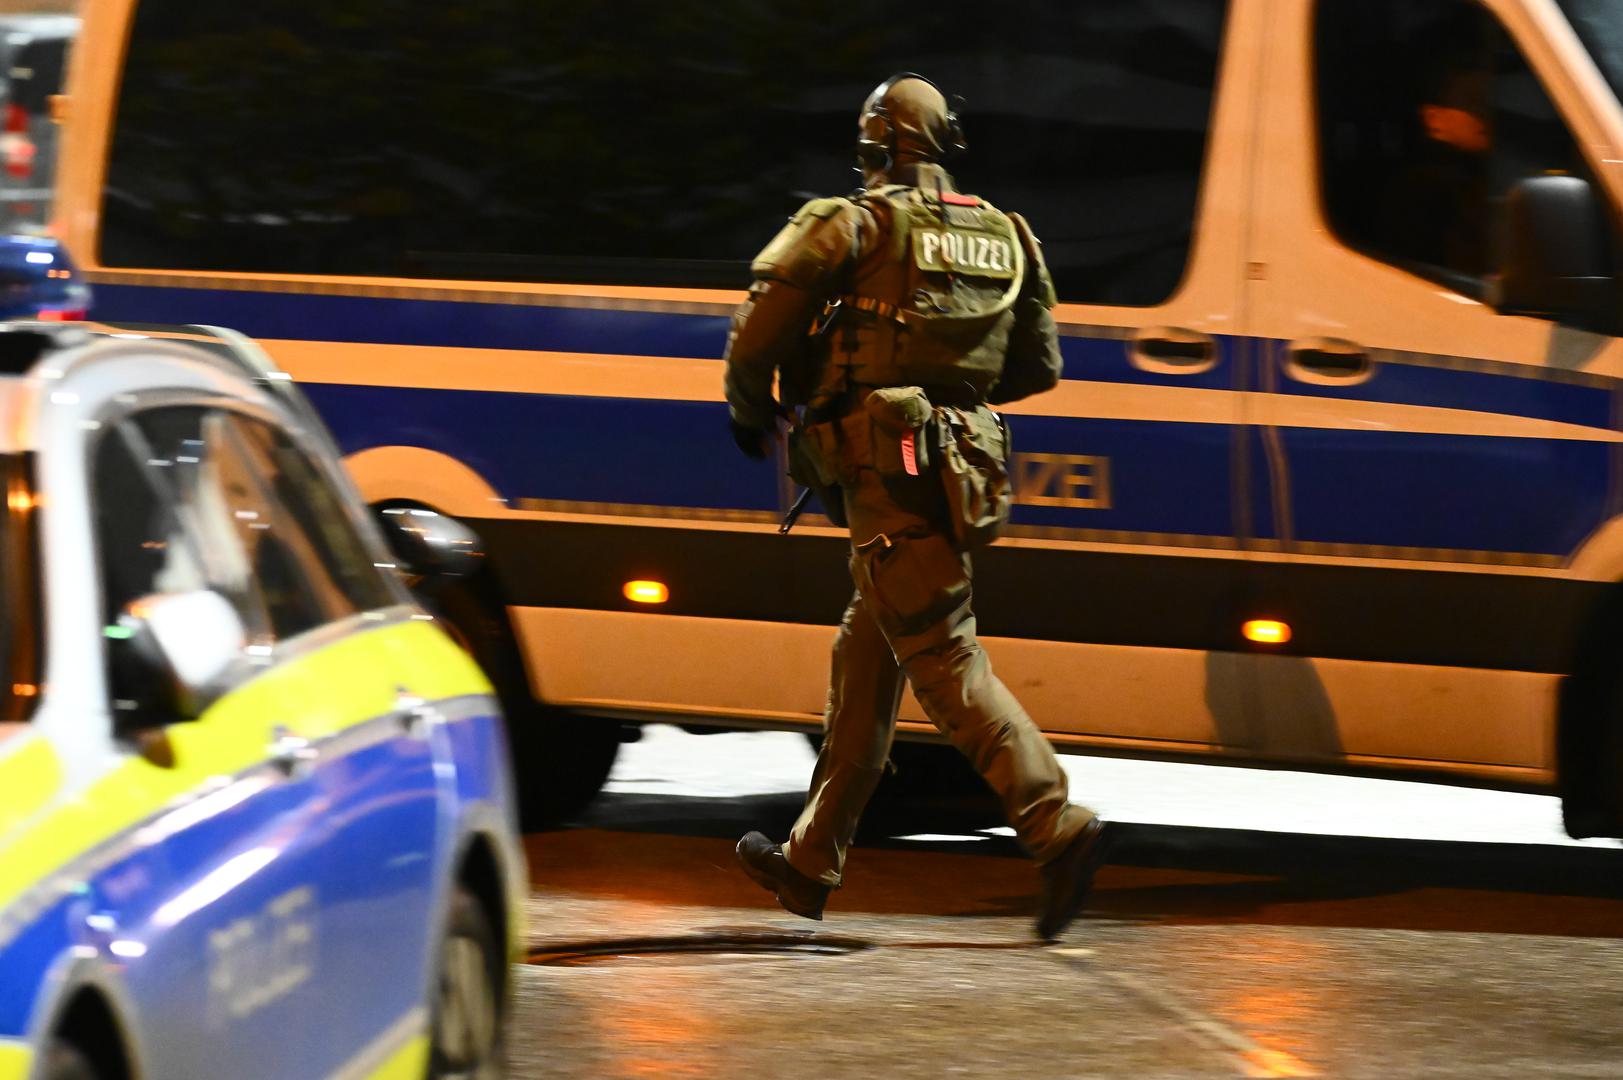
(755, 442)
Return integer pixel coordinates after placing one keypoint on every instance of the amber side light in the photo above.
(1266, 631)
(647, 592)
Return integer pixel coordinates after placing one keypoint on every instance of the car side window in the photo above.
(270, 543)
(1428, 115)
(143, 547)
(307, 498)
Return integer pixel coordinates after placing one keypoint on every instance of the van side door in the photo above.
(1435, 464)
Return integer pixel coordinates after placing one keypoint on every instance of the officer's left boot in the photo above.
(763, 861)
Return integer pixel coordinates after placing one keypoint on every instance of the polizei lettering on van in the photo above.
(951, 251)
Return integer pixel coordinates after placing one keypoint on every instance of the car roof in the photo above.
(35, 354)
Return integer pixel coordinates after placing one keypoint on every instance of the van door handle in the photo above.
(1172, 350)
(1328, 361)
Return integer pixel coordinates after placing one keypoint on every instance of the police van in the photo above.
(1334, 478)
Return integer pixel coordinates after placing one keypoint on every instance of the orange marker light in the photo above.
(647, 592)
(1266, 631)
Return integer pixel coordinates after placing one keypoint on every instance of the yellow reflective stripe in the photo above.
(30, 773)
(230, 737)
(436, 667)
(355, 679)
(15, 1058)
(410, 1062)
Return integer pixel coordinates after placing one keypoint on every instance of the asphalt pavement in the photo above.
(1249, 923)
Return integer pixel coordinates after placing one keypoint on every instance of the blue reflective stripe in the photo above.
(445, 323)
(25, 961)
(1162, 477)
(1398, 489)
(540, 446)
(1535, 394)
(1105, 359)
(472, 324)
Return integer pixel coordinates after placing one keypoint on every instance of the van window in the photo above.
(1428, 115)
(1599, 24)
(629, 143)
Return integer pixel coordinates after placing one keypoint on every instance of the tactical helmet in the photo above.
(907, 120)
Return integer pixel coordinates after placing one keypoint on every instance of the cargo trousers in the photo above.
(911, 619)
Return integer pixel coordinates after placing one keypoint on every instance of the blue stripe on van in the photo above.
(543, 446)
(1100, 359)
(1475, 493)
(394, 321)
(1529, 395)
(468, 324)
(1165, 477)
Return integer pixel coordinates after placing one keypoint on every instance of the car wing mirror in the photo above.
(1556, 263)
(174, 655)
(429, 544)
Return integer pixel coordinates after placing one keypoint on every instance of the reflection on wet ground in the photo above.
(1205, 952)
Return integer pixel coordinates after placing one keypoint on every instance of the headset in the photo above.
(876, 135)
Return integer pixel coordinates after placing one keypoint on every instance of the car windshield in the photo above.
(1599, 24)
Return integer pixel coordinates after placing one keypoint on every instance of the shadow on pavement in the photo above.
(678, 851)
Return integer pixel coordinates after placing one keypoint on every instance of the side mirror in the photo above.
(1556, 261)
(430, 544)
(173, 656)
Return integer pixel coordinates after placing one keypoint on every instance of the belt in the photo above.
(872, 306)
(851, 398)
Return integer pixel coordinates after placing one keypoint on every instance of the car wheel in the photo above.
(64, 1061)
(467, 1009)
(560, 760)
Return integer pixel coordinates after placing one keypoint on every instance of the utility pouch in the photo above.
(900, 416)
(811, 467)
(974, 470)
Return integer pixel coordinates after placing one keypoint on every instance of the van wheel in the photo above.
(466, 1026)
(933, 787)
(1609, 820)
(560, 760)
(65, 1061)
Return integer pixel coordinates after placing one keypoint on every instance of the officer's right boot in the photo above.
(1068, 879)
(763, 861)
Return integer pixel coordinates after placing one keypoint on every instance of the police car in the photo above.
(39, 281)
(255, 807)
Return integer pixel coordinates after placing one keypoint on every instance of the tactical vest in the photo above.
(935, 308)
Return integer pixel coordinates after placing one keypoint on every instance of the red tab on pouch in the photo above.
(952, 198)
(910, 458)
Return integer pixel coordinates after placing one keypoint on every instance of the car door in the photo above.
(1433, 462)
(358, 734)
(383, 767)
(215, 909)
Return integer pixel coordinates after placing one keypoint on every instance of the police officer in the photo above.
(891, 319)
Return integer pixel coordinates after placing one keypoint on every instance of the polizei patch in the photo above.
(964, 251)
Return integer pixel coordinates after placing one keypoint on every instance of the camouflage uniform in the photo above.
(930, 305)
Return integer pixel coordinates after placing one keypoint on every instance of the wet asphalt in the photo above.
(1247, 924)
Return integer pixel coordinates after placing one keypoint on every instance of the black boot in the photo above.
(763, 861)
(1068, 879)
